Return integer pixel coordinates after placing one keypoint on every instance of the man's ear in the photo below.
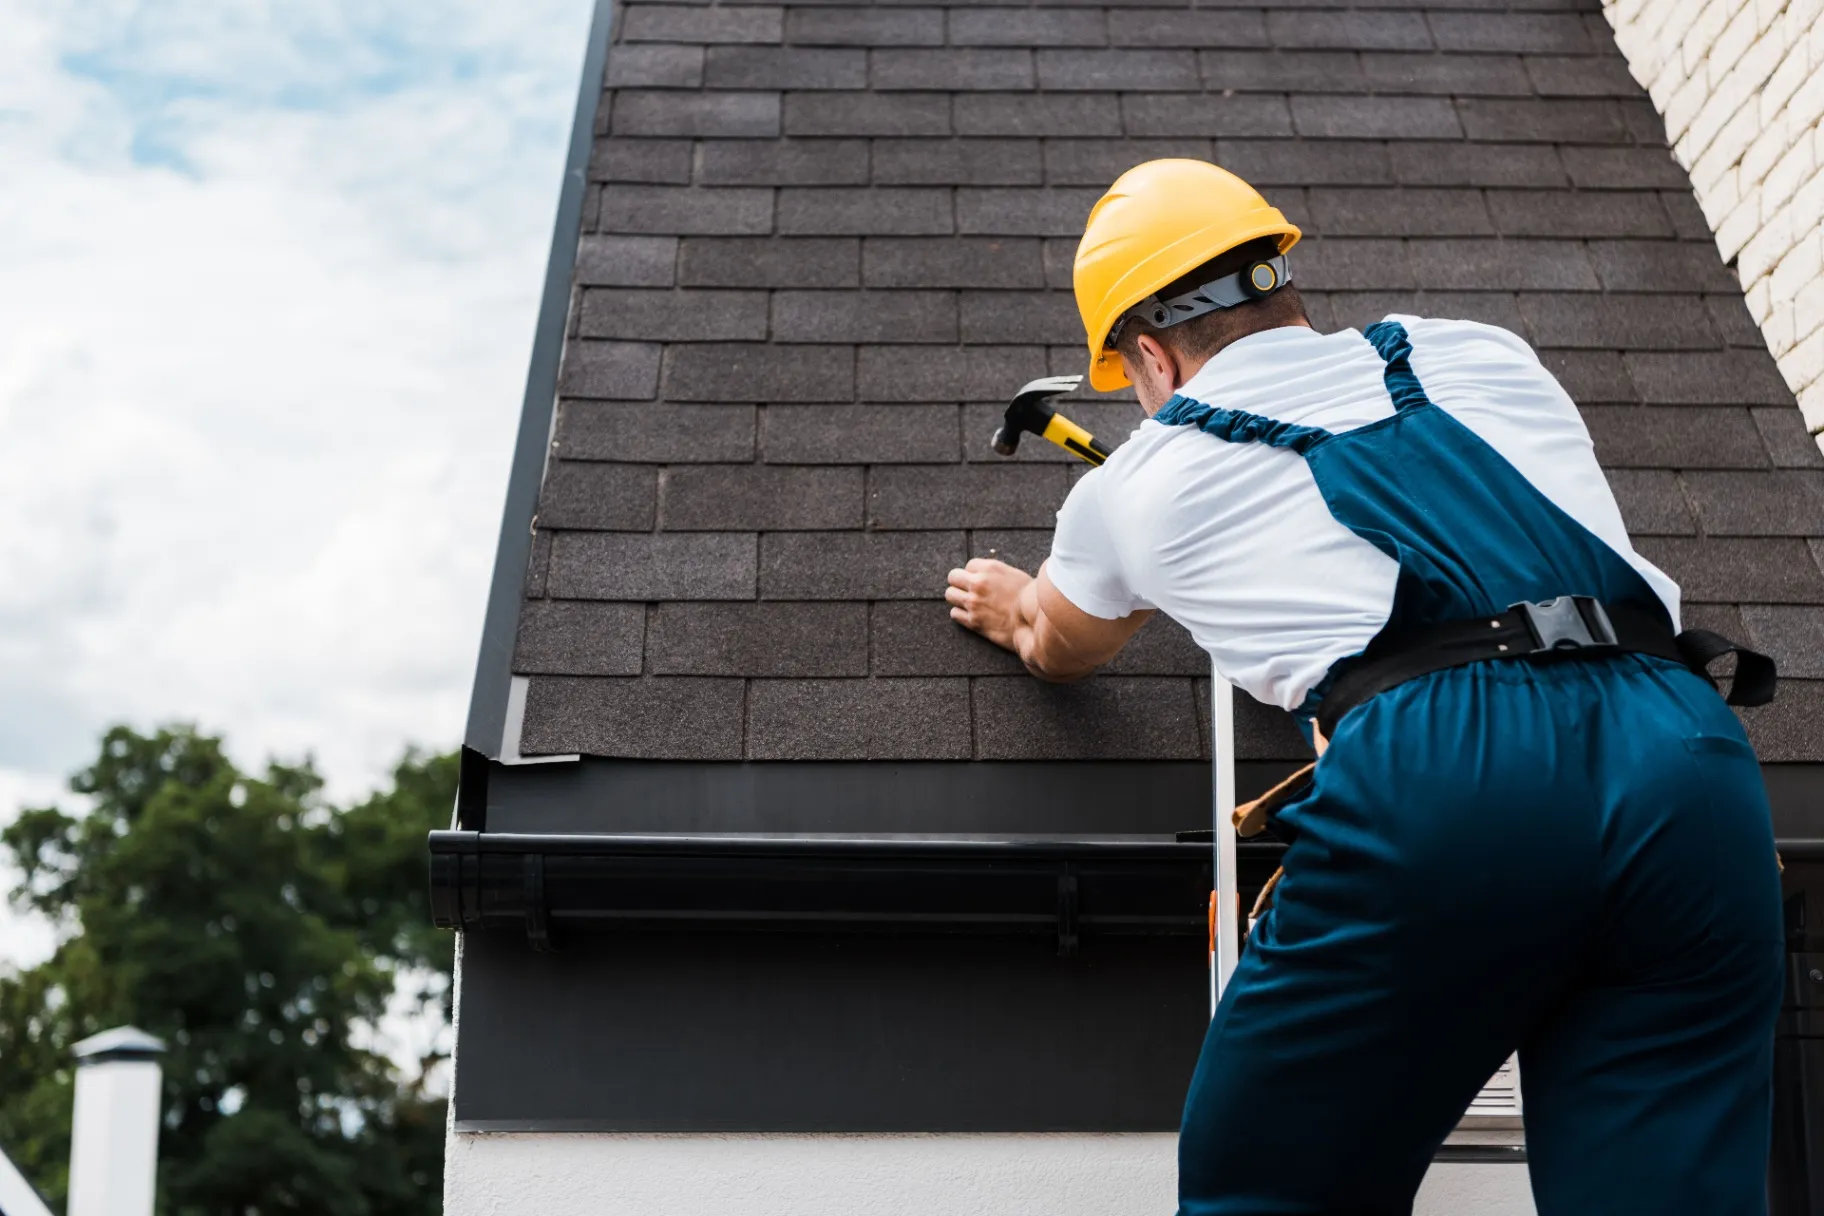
(1159, 363)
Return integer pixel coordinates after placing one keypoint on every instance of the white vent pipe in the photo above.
(114, 1142)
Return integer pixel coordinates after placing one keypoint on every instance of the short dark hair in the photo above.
(1201, 337)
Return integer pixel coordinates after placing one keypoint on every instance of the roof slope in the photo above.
(826, 242)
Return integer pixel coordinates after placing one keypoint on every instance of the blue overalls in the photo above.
(1573, 859)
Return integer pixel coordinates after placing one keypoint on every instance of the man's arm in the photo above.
(1055, 639)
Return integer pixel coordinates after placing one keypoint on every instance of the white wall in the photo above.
(1741, 85)
(1059, 1175)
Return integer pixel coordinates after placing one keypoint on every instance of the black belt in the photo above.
(1568, 627)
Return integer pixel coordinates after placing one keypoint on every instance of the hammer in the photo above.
(1031, 410)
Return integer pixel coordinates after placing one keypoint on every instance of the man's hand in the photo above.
(1027, 615)
(985, 596)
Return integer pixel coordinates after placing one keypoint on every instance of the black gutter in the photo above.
(545, 886)
(500, 627)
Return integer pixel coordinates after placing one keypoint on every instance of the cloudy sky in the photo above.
(268, 274)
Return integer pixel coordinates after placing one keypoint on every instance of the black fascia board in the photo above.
(931, 798)
(549, 885)
(500, 625)
(941, 798)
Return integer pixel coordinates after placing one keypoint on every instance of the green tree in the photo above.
(257, 930)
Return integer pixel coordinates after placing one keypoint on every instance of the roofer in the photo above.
(1571, 858)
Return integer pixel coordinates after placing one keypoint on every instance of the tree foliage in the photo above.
(260, 932)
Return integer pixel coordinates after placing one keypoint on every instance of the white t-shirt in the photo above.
(1234, 541)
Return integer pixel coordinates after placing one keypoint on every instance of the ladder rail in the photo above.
(1226, 948)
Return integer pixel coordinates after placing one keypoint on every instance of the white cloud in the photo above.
(268, 274)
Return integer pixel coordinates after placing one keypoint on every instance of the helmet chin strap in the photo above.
(1253, 282)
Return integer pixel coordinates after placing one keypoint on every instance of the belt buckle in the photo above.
(1567, 622)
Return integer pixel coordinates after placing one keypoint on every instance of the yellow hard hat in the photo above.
(1158, 222)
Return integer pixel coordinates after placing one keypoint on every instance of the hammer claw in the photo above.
(1050, 386)
(1029, 412)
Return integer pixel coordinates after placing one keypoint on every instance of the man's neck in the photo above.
(1188, 369)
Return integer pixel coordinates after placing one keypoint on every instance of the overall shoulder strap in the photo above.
(1395, 346)
(1237, 426)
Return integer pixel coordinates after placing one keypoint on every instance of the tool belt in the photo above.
(1568, 627)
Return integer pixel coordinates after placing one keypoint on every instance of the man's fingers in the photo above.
(956, 595)
(960, 578)
(976, 564)
(959, 616)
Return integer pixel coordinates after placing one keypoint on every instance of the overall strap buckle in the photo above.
(1567, 622)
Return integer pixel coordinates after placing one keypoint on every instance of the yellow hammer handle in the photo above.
(1074, 439)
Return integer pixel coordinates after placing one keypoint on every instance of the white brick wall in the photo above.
(1741, 85)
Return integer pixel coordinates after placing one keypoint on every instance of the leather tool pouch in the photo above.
(1250, 819)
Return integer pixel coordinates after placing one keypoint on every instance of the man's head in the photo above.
(1172, 226)
(1159, 360)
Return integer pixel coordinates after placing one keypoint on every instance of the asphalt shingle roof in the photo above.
(823, 243)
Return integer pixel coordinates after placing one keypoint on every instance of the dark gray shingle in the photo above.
(897, 210)
(865, 27)
(1189, 28)
(758, 371)
(1002, 495)
(857, 565)
(614, 370)
(1028, 27)
(779, 67)
(1349, 30)
(864, 316)
(647, 566)
(667, 23)
(653, 719)
(918, 638)
(956, 162)
(680, 316)
(1451, 164)
(627, 261)
(578, 638)
(1138, 70)
(1006, 262)
(1037, 114)
(598, 497)
(1680, 438)
(1447, 75)
(860, 434)
(669, 434)
(1539, 32)
(1202, 114)
(907, 719)
(758, 639)
(1786, 502)
(1105, 718)
(654, 161)
(866, 114)
(950, 70)
(717, 497)
(769, 262)
(1346, 117)
(656, 66)
(684, 212)
(674, 112)
(771, 162)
